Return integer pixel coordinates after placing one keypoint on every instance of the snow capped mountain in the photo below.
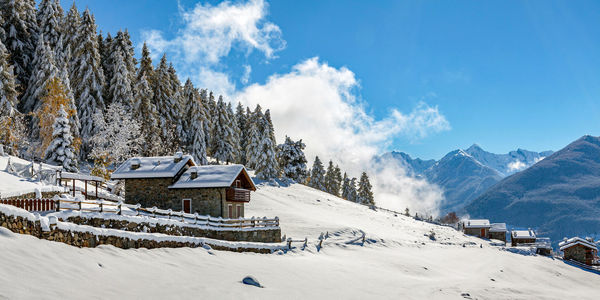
(507, 164)
(559, 195)
(462, 178)
(414, 166)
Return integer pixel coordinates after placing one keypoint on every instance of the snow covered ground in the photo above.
(398, 260)
(18, 183)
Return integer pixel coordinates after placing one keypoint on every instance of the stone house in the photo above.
(477, 227)
(497, 231)
(578, 249)
(175, 182)
(518, 237)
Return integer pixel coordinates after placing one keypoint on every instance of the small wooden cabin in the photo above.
(518, 237)
(578, 249)
(175, 182)
(477, 227)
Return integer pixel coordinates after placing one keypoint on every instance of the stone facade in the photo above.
(22, 225)
(476, 232)
(151, 192)
(579, 253)
(260, 235)
(497, 235)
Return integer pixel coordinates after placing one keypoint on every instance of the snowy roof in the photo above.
(477, 223)
(498, 227)
(211, 176)
(69, 175)
(152, 167)
(523, 234)
(576, 241)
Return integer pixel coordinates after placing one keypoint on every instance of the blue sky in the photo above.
(504, 74)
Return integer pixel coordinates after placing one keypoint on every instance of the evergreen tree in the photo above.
(13, 129)
(267, 166)
(18, 39)
(365, 194)
(60, 151)
(71, 24)
(198, 148)
(146, 67)
(144, 111)
(253, 134)
(222, 142)
(353, 193)
(122, 42)
(191, 101)
(345, 186)
(292, 161)
(44, 69)
(62, 58)
(233, 124)
(333, 179)
(270, 126)
(240, 118)
(120, 86)
(8, 86)
(166, 105)
(49, 20)
(211, 120)
(88, 79)
(317, 175)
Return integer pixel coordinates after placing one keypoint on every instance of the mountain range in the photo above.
(465, 174)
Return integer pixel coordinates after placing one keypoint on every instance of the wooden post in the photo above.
(320, 243)
(85, 184)
(96, 189)
(305, 243)
(119, 207)
(195, 218)
(80, 204)
(101, 206)
(73, 187)
(290, 243)
(57, 205)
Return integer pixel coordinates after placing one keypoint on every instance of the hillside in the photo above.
(398, 260)
(559, 195)
(462, 178)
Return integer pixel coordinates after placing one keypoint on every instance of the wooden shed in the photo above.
(519, 237)
(580, 250)
(497, 231)
(477, 227)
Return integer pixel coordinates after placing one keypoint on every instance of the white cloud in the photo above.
(516, 165)
(316, 102)
(246, 76)
(209, 32)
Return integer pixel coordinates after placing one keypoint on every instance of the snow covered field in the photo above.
(398, 261)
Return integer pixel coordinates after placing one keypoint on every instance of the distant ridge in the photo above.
(559, 195)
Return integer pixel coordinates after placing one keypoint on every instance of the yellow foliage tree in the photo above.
(55, 97)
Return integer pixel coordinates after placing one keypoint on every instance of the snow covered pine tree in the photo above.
(292, 160)
(60, 151)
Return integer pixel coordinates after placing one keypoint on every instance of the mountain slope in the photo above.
(560, 194)
(398, 260)
(462, 178)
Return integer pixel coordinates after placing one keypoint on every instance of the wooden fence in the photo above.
(31, 204)
(136, 210)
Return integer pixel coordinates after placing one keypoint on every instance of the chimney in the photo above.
(178, 156)
(194, 174)
(135, 164)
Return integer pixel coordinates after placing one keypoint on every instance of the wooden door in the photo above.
(239, 211)
(187, 206)
(230, 211)
(482, 232)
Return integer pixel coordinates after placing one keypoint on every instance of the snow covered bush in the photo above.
(60, 151)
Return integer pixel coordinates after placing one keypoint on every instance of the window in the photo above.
(230, 211)
(238, 183)
(239, 211)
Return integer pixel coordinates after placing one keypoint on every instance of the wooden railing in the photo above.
(238, 195)
(121, 208)
(31, 204)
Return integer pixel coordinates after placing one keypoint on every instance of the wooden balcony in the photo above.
(238, 195)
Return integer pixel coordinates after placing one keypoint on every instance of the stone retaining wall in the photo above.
(22, 225)
(260, 235)
(45, 195)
